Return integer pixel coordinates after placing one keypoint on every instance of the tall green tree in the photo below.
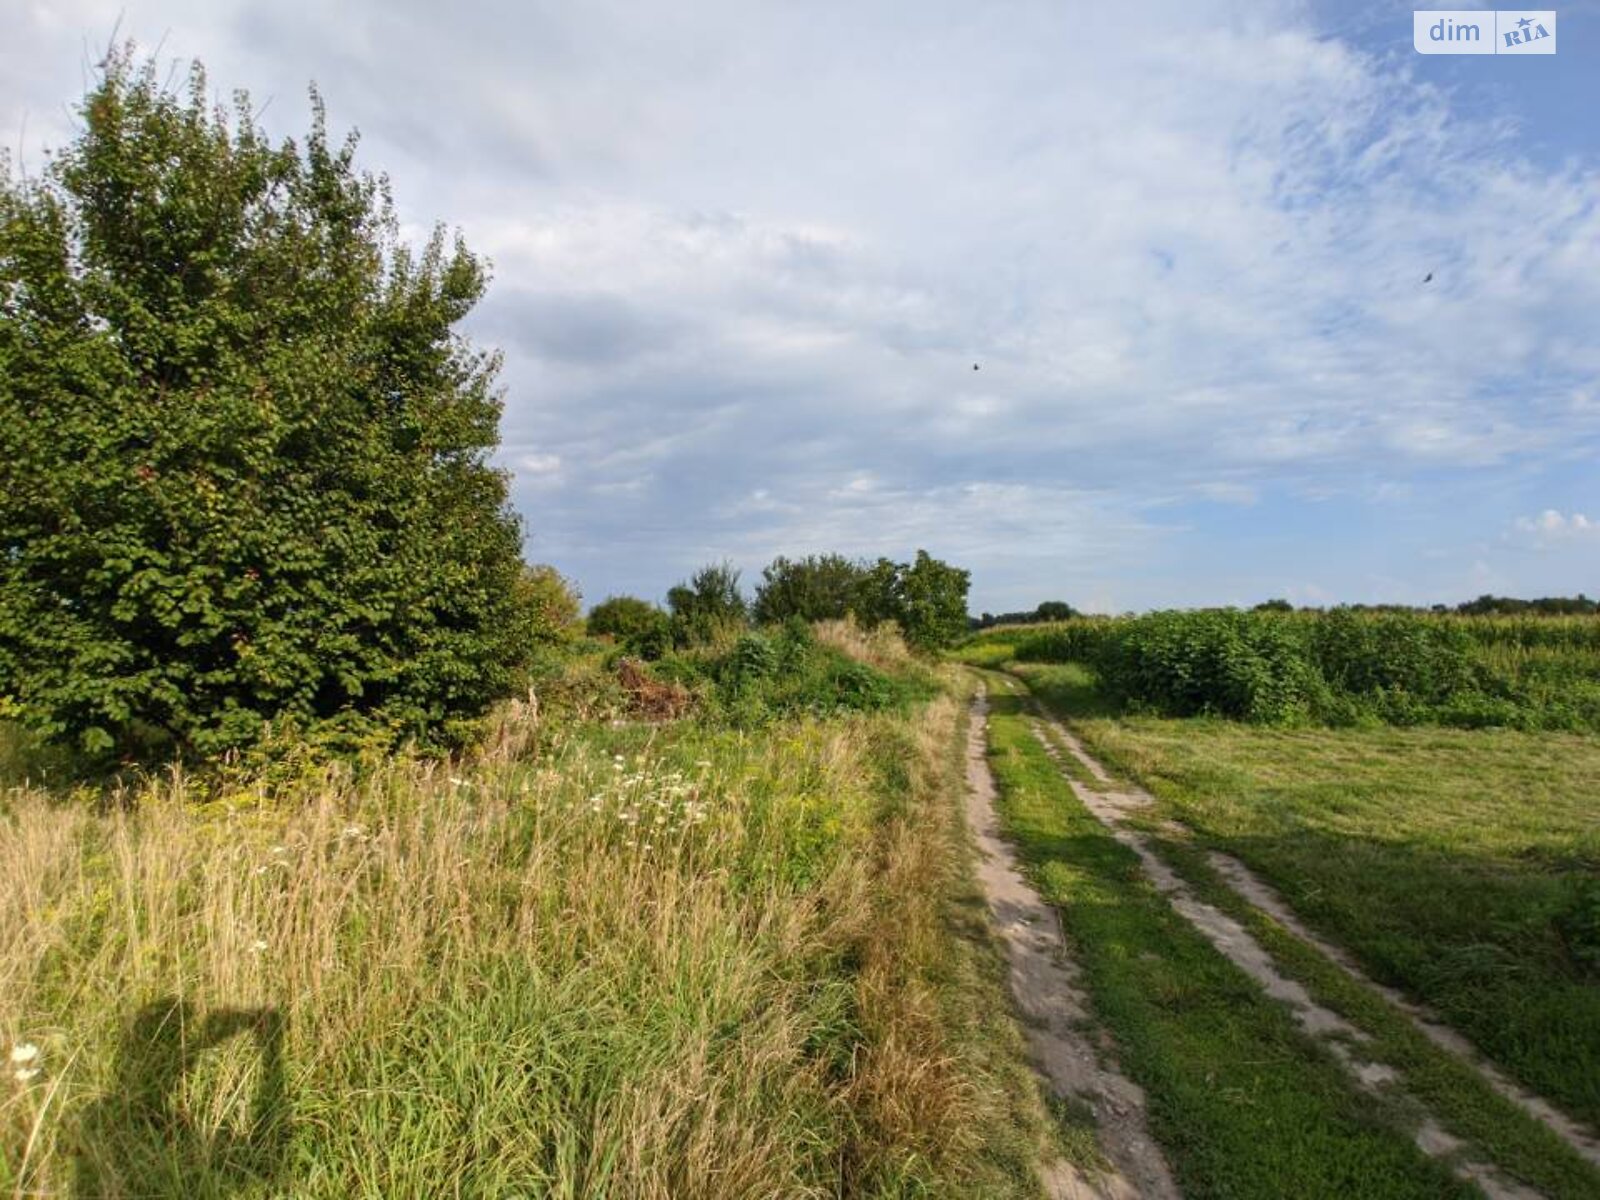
(244, 449)
(819, 587)
(877, 593)
(933, 602)
(708, 606)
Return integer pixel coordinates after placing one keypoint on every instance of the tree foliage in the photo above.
(1576, 606)
(553, 601)
(641, 628)
(1049, 610)
(623, 617)
(819, 587)
(708, 606)
(927, 597)
(245, 453)
(932, 599)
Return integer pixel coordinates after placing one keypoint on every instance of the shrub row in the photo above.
(786, 671)
(1337, 667)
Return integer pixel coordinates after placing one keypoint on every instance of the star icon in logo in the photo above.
(1524, 23)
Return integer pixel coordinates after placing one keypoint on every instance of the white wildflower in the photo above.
(258, 945)
(24, 1052)
(23, 1074)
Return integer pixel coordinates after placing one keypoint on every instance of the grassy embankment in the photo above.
(595, 959)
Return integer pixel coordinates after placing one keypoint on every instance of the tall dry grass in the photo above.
(881, 646)
(671, 963)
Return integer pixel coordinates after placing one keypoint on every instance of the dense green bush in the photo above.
(1224, 662)
(783, 672)
(708, 607)
(753, 660)
(553, 601)
(819, 587)
(632, 622)
(1339, 666)
(245, 449)
(1422, 658)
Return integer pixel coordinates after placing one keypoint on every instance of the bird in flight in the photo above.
(1428, 278)
(974, 366)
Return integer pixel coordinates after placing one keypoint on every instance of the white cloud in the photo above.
(539, 464)
(746, 257)
(1552, 529)
(1222, 491)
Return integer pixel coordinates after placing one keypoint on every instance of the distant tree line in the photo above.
(1050, 610)
(926, 598)
(1566, 606)
(1485, 605)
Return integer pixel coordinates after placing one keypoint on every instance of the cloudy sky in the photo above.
(747, 253)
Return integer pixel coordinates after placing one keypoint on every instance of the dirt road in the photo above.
(1044, 983)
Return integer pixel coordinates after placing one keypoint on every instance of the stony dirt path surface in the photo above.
(1055, 1010)
(1344, 1040)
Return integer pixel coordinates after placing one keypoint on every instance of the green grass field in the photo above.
(1462, 866)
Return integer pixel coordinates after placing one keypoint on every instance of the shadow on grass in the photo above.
(139, 1141)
